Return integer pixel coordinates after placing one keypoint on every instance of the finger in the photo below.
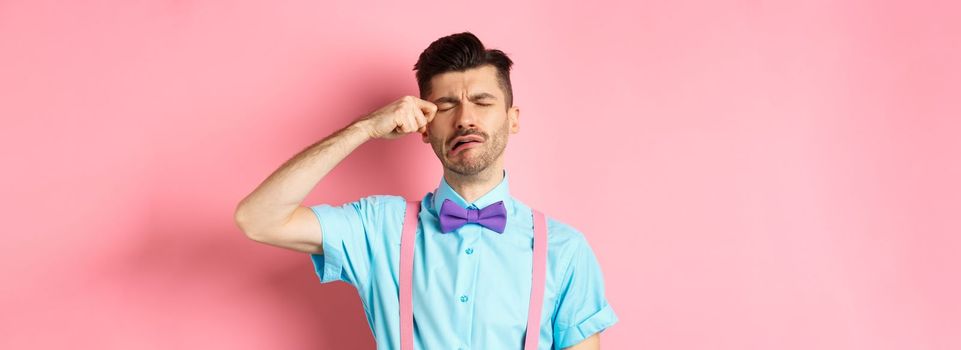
(430, 116)
(411, 124)
(427, 107)
(416, 119)
(400, 125)
(421, 121)
(424, 107)
(417, 113)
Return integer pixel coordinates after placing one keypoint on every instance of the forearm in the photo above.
(273, 202)
(591, 343)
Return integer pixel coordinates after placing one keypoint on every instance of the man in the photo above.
(471, 282)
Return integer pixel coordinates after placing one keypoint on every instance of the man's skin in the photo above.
(461, 105)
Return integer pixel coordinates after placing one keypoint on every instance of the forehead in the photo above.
(471, 81)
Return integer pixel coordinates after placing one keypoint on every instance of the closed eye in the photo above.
(479, 104)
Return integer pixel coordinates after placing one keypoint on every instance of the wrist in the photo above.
(362, 128)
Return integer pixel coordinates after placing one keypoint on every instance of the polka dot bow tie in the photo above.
(452, 216)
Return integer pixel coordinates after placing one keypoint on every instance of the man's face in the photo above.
(469, 132)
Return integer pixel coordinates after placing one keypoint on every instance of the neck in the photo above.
(472, 187)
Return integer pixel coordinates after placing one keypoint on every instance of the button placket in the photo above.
(466, 278)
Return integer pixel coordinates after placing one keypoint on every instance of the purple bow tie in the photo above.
(452, 216)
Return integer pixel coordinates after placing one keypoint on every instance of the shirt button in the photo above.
(469, 251)
(463, 298)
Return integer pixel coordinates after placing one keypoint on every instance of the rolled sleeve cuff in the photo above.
(329, 265)
(600, 321)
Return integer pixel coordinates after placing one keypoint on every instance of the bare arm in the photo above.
(276, 203)
(591, 343)
(273, 212)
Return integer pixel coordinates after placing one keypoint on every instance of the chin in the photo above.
(469, 168)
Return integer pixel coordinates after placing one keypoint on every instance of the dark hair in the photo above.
(460, 52)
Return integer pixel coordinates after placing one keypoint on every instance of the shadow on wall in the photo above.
(191, 273)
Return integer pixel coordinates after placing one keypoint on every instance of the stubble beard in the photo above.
(490, 150)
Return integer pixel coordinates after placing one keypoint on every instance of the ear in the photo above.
(513, 117)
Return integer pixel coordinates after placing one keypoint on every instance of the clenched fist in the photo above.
(401, 117)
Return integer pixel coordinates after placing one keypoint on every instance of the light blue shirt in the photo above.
(472, 286)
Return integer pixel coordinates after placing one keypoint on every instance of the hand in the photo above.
(401, 117)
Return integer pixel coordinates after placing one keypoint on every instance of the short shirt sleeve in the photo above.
(351, 235)
(582, 308)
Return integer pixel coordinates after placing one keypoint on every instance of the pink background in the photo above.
(751, 175)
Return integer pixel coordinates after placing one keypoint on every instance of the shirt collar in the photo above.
(501, 192)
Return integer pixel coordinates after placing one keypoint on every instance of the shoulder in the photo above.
(386, 205)
(381, 202)
(385, 200)
(564, 239)
(371, 208)
(371, 201)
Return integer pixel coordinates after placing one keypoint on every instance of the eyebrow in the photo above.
(455, 100)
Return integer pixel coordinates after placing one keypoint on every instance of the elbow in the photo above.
(246, 226)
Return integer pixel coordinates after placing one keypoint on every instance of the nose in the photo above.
(465, 117)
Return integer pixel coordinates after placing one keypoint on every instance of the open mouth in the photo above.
(465, 143)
